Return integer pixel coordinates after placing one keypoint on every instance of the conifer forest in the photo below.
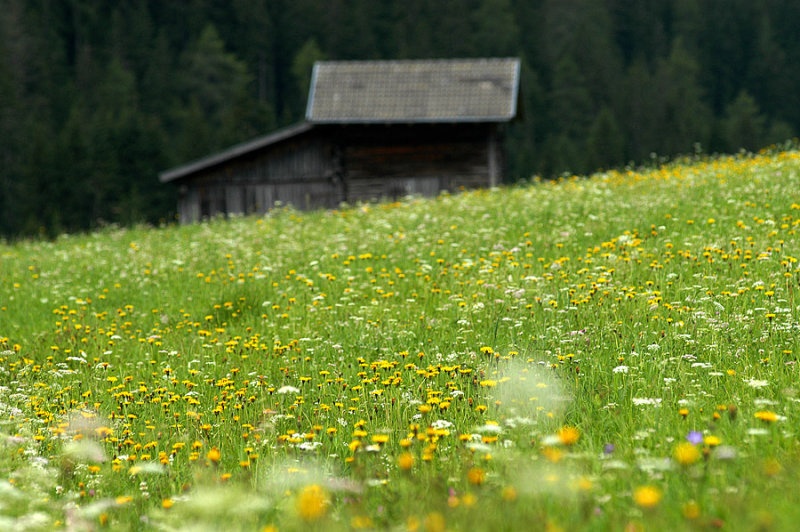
(96, 98)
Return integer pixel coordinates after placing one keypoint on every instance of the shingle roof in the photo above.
(451, 90)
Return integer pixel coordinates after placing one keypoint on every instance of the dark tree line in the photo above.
(97, 97)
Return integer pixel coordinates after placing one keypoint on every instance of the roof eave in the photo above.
(515, 87)
(459, 120)
(233, 152)
(311, 91)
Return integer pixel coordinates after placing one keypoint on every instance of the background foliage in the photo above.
(97, 97)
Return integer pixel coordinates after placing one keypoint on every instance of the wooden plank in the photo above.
(415, 160)
(352, 163)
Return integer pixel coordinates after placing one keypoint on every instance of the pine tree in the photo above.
(606, 144)
(681, 112)
(743, 125)
(302, 66)
(496, 30)
(218, 108)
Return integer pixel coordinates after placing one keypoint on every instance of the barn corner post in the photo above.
(338, 174)
(494, 164)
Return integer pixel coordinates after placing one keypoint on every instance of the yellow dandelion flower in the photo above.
(434, 522)
(568, 435)
(584, 484)
(686, 453)
(453, 501)
(214, 455)
(405, 461)
(509, 494)
(312, 503)
(167, 504)
(647, 496)
(712, 441)
(476, 476)
(360, 522)
(691, 510)
(552, 454)
(766, 416)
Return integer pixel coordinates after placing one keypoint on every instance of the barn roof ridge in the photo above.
(422, 60)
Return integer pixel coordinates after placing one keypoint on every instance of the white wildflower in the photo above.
(646, 401)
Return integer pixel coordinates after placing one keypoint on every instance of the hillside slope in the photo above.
(625, 344)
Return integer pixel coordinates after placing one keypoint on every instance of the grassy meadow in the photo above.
(613, 352)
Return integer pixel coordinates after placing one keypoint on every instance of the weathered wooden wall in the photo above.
(325, 166)
(297, 172)
(424, 159)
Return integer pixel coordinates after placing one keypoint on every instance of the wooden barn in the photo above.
(373, 130)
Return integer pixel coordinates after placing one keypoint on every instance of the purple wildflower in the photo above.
(695, 437)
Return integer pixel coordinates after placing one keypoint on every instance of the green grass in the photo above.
(524, 358)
